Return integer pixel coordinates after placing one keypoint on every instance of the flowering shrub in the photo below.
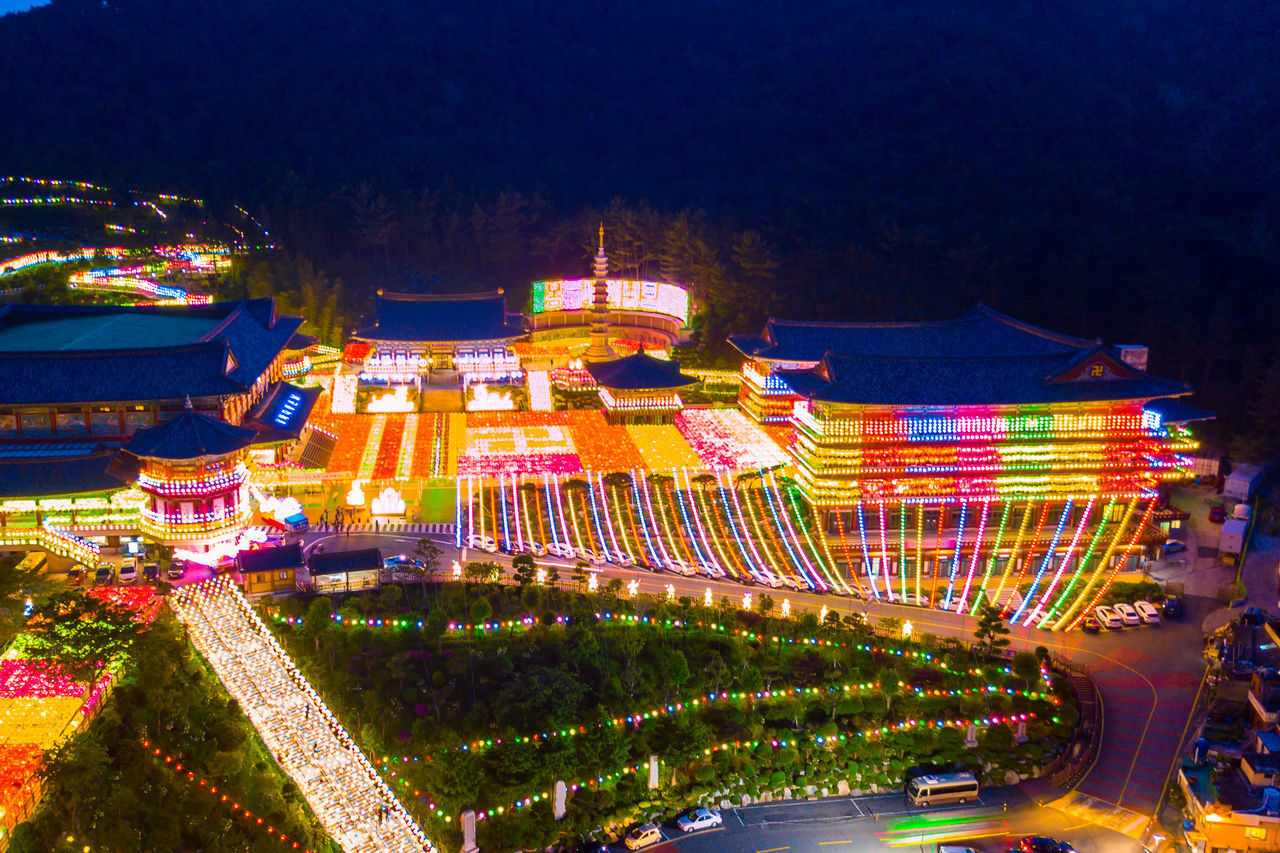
(142, 600)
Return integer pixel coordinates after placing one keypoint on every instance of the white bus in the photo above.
(942, 788)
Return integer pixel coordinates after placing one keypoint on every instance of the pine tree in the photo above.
(991, 633)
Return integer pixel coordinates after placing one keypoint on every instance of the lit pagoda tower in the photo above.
(194, 479)
(599, 350)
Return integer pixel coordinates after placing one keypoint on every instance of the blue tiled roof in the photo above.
(981, 332)
(977, 381)
(60, 477)
(282, 412)
(51, 449)
(1174, 411)
(638, 372)
(440, 317)
(190, 435)
(270, 559)
(227, 358)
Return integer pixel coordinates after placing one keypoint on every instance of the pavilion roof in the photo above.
(639, 372)
(981, 332)
(190, 435)
(440, 317)
(1095, 375)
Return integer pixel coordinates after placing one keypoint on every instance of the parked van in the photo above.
(943, 788)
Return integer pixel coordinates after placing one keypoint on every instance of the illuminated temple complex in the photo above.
(948, 463)
(969, 450)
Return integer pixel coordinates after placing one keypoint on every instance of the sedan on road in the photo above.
(699, 819)
(1044, 844)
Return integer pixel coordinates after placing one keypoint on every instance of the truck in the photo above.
(1231, 540)
(1243, 481)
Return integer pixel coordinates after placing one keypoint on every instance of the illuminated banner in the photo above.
(624, 295)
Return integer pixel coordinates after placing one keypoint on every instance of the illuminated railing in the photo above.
(654, 403)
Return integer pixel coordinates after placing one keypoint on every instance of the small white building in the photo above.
(1243, 481)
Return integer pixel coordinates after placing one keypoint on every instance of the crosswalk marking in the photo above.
(437, 527)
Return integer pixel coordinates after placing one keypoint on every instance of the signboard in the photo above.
(624, 295)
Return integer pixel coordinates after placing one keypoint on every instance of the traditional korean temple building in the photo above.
(996, 460)
(640, 389)
(412, 333)
(195, 481)
(77, 382)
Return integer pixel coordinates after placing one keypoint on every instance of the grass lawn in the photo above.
(438, 504)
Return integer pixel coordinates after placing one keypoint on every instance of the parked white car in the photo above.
(682, 567)
(1108, 617)
(711, 570)
(1148, 612)
(483, 543)
(1128, 615)
(699, 819)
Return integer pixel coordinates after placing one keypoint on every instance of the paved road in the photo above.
(1148, 677)
(847, 824)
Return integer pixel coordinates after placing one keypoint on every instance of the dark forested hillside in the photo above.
(1106, 168)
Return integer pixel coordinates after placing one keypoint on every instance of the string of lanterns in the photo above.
(170, 762)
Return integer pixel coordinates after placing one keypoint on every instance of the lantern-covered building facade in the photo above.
(194, 479)
(974, 460)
